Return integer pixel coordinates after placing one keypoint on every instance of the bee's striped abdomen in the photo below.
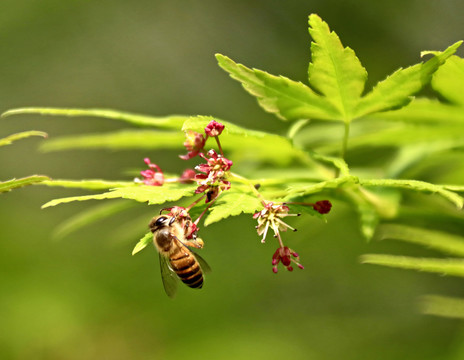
(187, 268)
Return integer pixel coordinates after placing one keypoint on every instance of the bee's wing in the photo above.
(203, 264)
(168, 276)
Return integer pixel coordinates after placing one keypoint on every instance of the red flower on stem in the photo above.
(323, 206)
(271, 217)
(214, 128)
(194, 143)
(287, 256)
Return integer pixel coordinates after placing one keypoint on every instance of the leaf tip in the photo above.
(364, 259)
(313, 18)
(137, 249)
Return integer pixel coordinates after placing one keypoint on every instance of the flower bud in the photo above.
(214, 128)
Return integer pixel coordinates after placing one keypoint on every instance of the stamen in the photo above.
(265, 233)
(285, 224)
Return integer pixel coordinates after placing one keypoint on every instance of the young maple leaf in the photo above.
(336, 82)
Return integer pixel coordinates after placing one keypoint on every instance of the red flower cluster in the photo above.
(195, 142)
(153, 176)
(284, 255)
(213, 180)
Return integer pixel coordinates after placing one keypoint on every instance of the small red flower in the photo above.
(287, 257)
(323, 206)
(153, 176)
(194, 143)
(215, 163)
(214, 128)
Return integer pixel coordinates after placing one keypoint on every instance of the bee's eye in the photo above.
(160, 221)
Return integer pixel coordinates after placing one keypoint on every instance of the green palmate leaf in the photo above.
(17, 183)
(143, 242)
(167, 122)
(337, 74)
(22, 135)
(95, 184)
(454, 267)
(416, 185)
(89, 216)
(449, 80)
(335, 71)
(120, 140)
(442, 306)
(437, 240)
(232, 203)
(288, 99)
(396, 90)
(141, 193)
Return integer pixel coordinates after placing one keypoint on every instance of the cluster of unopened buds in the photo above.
(212, 180)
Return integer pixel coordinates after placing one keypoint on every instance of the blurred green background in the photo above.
(85, 297)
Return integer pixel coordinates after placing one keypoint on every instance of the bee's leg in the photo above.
(197, 243)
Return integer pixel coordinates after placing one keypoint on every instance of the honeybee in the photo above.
(177, 261)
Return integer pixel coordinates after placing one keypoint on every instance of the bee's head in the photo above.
(160, 222)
